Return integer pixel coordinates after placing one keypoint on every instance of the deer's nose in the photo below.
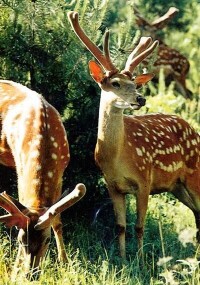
(141, 100)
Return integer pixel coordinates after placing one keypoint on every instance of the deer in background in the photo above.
(175, 65)
(139, 155)
(33, 141)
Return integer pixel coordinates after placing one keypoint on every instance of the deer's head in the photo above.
(35, 224)
(121, 86)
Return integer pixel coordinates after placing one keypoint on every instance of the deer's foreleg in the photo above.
(58, 232)
(119, 206)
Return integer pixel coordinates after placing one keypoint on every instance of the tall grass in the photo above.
(169, 246)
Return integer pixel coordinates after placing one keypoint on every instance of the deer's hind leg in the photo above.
(191, 199)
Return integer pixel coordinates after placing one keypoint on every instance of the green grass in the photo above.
(169, 246)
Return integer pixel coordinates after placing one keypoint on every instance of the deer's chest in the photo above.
(120, 178)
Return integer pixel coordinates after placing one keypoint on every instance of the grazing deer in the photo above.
(175, 65)
(139, 155)
(33, 140)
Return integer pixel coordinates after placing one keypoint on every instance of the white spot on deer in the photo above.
(55, 144)
(194, 142)
(174, 128)
(169, 129)
(139, 134)
(178, 165)
(139, 151)
(52, 139)
(50, 174)
(54, 156)
(35, 154)
(188, 144)
(129, 143)
(63, 156)
(39, 136)
(184, 135)
(146, 139)
(141, 168)
(180, 126)
(46, 193)
(169, 168)
(38, 167)
(46, 189)
(192, 153)
(175, 149)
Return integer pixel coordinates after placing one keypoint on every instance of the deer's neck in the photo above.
(110, 129)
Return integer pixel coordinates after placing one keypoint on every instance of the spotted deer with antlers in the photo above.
(144, 154)
(33, 141)
(175, 65)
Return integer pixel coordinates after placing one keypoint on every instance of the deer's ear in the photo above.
(96, 71)
(143, 78)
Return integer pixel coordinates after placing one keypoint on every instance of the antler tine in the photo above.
(163, 20)
(103, 60)
(7, 204)
(142, 45)
(142, 50)
(106, 50)
(66, 201)
(15, 216)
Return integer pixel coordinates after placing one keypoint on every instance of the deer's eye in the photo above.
(116, 85)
